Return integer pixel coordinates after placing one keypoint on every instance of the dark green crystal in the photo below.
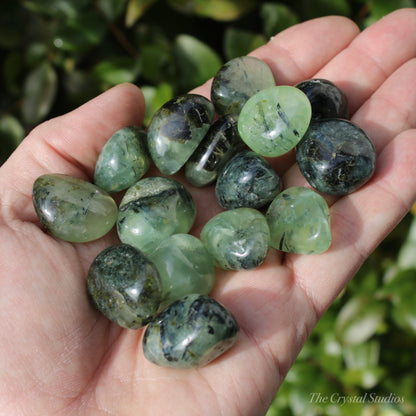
(221, 142)
(247, 180)
(176, 130)
(336, 156)
(190, 333)
(124, 286)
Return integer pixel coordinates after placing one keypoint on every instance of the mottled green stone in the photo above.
(176, 130)
(274, 120)
(152, 210)
(184, 266)
(327, 100)
(123, 160)
(238, 80)
(247, 180)
(72, 209)
(190, 333)
(124, 286)
(336, 156)
(237, 239)
(221, 142)
(299, 222)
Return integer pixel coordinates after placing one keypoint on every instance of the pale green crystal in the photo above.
(273, 121)
(123, 160)
(299, 222)
(237, 239)
(184, 266)
(152, 210)
(72, 209)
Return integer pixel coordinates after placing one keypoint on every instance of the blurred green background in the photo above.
(56, 54)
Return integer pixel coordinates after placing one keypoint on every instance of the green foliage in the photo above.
(57, 54)
(360, 358)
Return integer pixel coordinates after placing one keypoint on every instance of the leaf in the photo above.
(239, 42)
(155, 97)
(316, 8)
(156, 61)
(39, 93)
(11, 134)
(196, 62)
(56, 8)
(112, 9)
(117, 70)
(223, 10)
(277, 17)
(136, 9)
(401, 290)
(78, 35)
(359, 319)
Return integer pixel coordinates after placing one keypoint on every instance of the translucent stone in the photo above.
(152, 210)
(336, 156)
(237, 239)
(299, 222)
(184, 266)
(238, 80)
(221, 142)
(123, 160)
(273, 121)
(247, 180)
(176, 130)
(327, 100)
(190, 333)
(124, 286)
(72, 209)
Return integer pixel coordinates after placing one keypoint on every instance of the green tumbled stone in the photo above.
(299, 222)
(336, 156)
(238, 80)
(247, 180)
(221, 142)
(237, 239)
(123, 160)
(124, 286)
(72, 209)
(190, 333)
(184, 266)
(152, 210)
(274, 120)
(176, 130)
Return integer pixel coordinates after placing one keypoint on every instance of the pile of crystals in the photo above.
(159, 275)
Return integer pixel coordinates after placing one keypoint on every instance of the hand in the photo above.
(60, 356)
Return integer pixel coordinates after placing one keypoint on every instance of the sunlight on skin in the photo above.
(59, 356)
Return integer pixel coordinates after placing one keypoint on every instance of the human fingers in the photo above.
(373, 56)
(68, 144)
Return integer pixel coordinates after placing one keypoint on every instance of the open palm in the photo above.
(60, 356)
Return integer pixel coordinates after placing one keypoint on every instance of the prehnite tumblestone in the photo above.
(184, 266)
(123, 160)
(327, 100)
(299, 222)
(190, 333)
(273, 121)
(152, 210)
(176, 130)
(247, 180)
(72, 209)
(124, 286)
(336, 156)
(237, 239)
(238, 80)
(221, 142)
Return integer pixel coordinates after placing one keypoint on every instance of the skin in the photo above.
(60, 357)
